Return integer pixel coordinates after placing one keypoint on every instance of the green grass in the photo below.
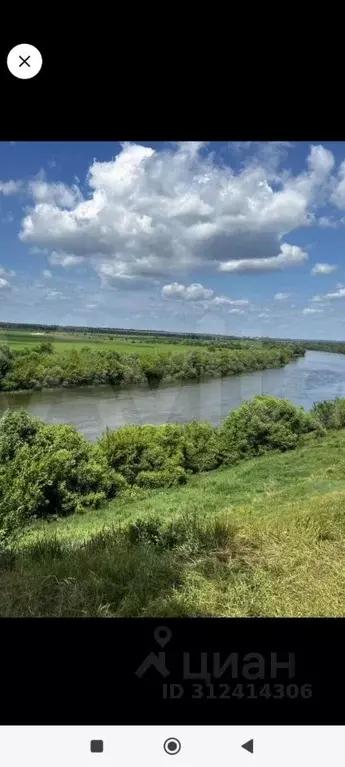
(265, 538)
(20, 339)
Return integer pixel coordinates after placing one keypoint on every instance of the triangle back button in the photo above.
(249, 746)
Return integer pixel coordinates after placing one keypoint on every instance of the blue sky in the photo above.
(242, 238)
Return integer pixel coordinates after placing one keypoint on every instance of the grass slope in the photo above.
(266, 538)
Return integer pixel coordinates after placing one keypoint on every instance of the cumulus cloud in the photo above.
(150, 214)
(61, 195)
(4, 284)
(194, 292)
(338, 196)
(197, 293)
(65, 259)
(310, 310)
(47, 274)
(8, 188)
(281, 296)
(323, 269)
(320, 161)
(290, 255)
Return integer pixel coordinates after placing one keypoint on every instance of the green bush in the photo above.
(324, 413)
(339, 415)
(5, 360)
(135, 449)
(156, 456)
(16, 429)
(165, 478)
(46, 347)
(330, 413)
(201, 447)
(153, 368)
(264, 424)
(50, 470)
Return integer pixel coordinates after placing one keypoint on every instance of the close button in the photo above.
(24, 61)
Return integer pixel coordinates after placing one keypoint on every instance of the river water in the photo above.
(315, 377)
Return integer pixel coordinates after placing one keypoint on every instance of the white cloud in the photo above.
(340, 293)
(6, 272)
(47, 273)
(323, 269)
(309, 310)
(4, 284)
(236, 311)
(55, 294)
(320, 161)
(153, 214)
(91, 306)
(281, 296)
(65, 259)
(198, 293)
(223, 301)
(290, 255)
(61, 195)
(316, 299)
(263, 315)
(8, 188)
(338, 196)
(328, 222)
(195, 292)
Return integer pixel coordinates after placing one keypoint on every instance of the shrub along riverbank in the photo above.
(43, 367)
(265, 537)
(48, 471)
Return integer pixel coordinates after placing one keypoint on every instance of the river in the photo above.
(315, 377)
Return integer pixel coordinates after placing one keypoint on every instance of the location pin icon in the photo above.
(162, 635)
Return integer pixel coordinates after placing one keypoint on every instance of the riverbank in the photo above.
(48, 471)
(315, 377)
(264, 538)
(41, 367)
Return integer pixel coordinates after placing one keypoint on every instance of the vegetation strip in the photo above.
(41, 366)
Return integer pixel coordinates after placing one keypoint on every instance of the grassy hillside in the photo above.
(264, 538)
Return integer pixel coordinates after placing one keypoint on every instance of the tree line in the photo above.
(39, 367)
(336, 347)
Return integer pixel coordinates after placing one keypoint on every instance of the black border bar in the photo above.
(117, 671)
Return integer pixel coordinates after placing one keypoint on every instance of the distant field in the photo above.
(19, 339)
